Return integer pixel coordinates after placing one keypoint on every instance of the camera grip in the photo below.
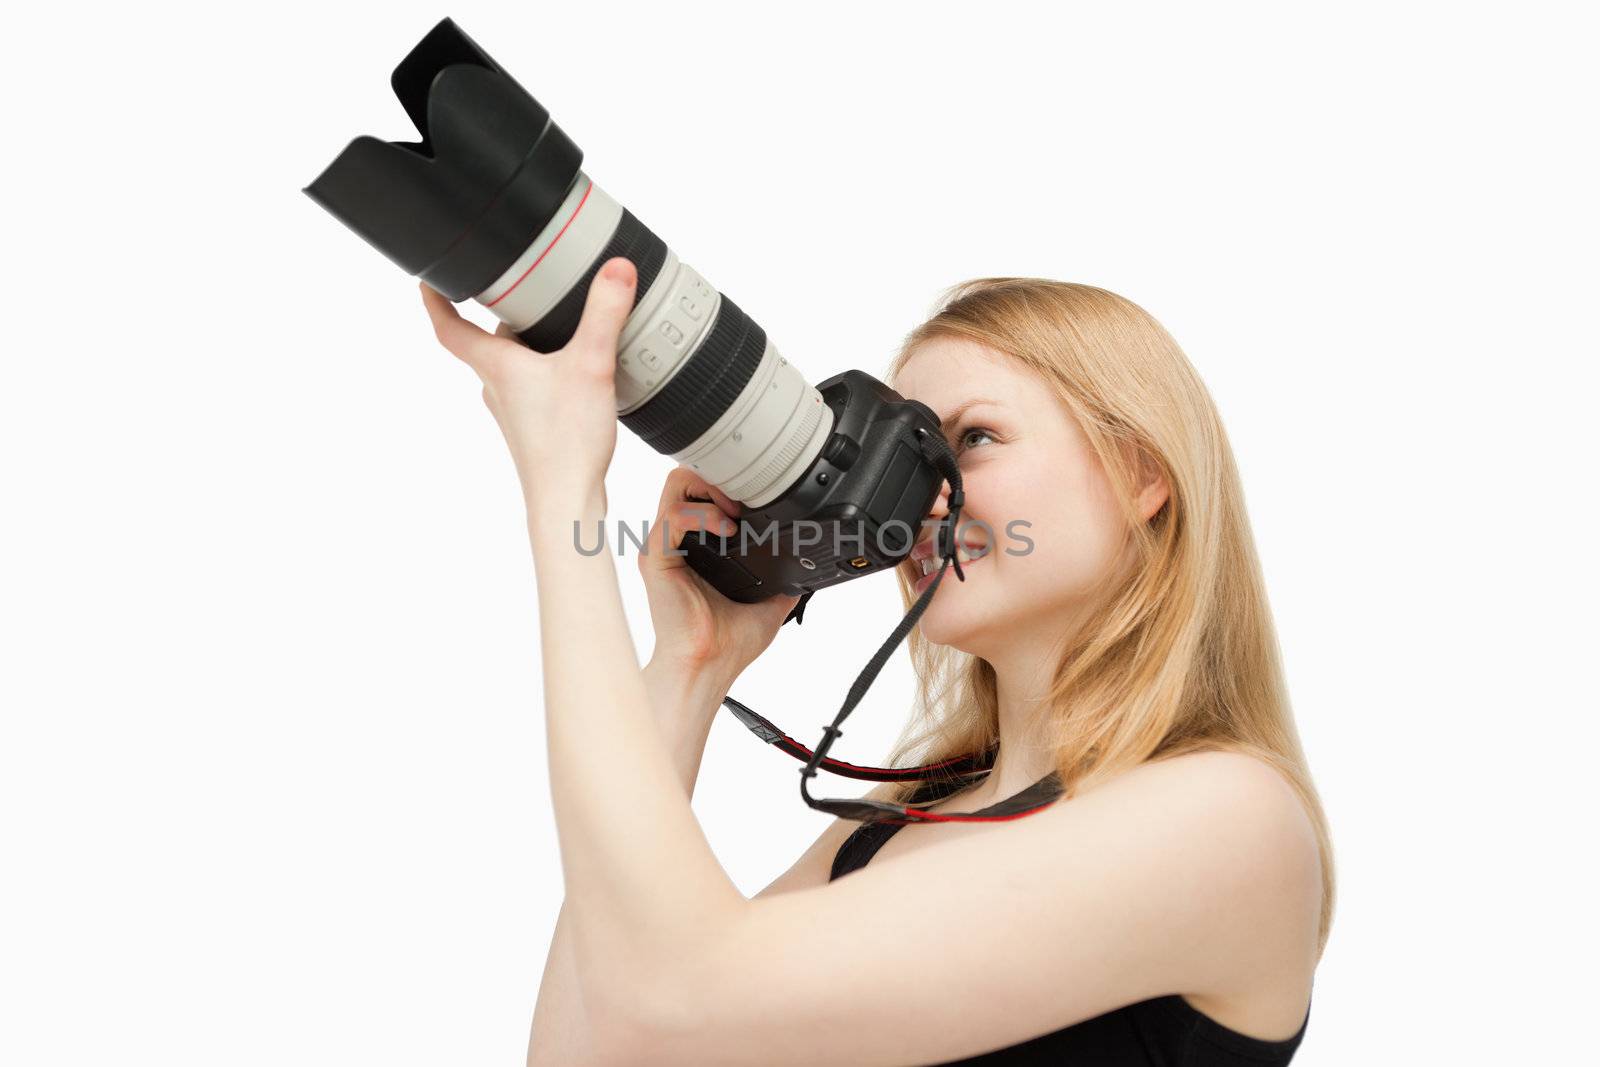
(716, 559)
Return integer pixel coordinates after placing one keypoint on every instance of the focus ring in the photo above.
(632, 239)
(705, 386)
(788, 454)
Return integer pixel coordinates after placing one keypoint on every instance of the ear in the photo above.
(1153, 488)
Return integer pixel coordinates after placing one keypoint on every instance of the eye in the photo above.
(966, 432)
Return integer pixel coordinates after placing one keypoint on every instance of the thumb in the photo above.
(605, 310)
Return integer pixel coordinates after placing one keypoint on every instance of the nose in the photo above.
(941, 508)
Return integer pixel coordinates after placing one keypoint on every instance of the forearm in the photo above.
(642, 885)
(684, 703)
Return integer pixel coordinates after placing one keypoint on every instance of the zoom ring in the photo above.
(705, 386)
(632, 239)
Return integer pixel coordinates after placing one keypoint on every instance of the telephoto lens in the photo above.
(492, 204)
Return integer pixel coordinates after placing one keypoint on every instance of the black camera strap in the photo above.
(974, 767)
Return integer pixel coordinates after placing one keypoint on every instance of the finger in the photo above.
(725, 502)
(680, 484)
(689, 515)
(683, 483)
(692, 516)
(667, 533)
(464, 339)
(605, 310)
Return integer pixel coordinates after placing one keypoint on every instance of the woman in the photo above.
(1170, 908)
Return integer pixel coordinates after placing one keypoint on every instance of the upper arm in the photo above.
(1197, 875)
(816, 863)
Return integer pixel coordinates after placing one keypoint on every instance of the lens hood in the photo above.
(458, 207)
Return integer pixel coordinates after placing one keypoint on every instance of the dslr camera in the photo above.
(492, 204)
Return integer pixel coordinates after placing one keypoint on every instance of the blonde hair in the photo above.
(1179, 653)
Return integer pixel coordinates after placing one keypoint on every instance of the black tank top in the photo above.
(1161, 1032)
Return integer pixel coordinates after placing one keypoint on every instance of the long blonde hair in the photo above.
(1179, 654)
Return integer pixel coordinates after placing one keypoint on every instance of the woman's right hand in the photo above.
(697, 628)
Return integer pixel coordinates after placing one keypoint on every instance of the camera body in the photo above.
(855, 510)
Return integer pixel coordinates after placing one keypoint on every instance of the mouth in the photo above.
(925, 566)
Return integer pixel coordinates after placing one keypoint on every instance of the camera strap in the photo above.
(973, 768)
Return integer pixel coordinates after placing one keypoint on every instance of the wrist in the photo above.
(556, 514)
(684, 703)
(675, 685)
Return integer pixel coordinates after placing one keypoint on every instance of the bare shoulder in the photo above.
(1240, 811)
(1236, 783)
(1236, 833)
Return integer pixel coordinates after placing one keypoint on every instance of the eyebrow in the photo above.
(954, 417)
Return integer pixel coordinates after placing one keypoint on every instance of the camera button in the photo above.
(841, 451)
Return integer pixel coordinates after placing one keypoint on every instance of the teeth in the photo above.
(929, 564)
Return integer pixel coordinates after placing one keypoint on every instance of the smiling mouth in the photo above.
(929, 564)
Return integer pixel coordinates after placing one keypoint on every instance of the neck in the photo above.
(1023, 672)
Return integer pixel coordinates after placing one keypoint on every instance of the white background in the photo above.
(272, 771)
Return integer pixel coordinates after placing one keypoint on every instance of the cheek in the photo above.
(1076, 532)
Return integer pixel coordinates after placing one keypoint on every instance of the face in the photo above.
(1028, 475)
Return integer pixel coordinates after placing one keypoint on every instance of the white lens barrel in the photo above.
(767, 438)
(759, 440)
(557, 257)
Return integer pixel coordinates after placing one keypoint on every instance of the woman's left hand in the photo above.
(557, 410)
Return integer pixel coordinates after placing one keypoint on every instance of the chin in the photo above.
(963, 625)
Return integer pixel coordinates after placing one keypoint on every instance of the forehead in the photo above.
(946, 372)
